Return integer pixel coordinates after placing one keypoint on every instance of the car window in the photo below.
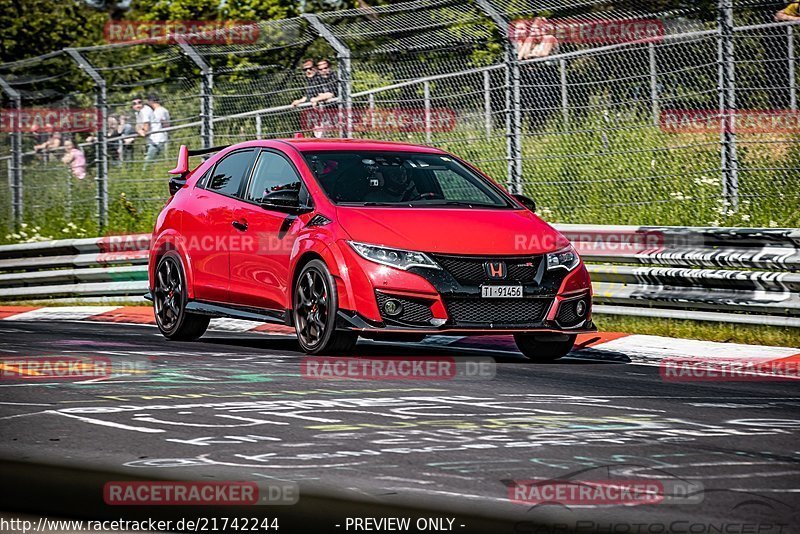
(401, 178)
(455, 188)
(230, 171)
(272, 173)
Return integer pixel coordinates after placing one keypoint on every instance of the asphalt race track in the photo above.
(236, 407)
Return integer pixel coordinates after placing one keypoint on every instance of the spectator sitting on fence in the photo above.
(329, 83)
(313, 83)
(540, 41)
(157, 140)
(789, 13)
(76, 159)
(111, 133)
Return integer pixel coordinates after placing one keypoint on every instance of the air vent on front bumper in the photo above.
(412, 311)
(568, 312)
(497, 311)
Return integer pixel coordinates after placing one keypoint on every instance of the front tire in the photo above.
(544, 348)
(169, 302)
(316, 304)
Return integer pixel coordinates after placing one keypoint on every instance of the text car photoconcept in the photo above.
(349, 238)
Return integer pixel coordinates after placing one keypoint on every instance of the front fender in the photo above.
(332, 257)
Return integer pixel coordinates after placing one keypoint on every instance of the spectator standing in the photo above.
(126, 130)
(313, 83)
(76, 159)
(328, 82)
(144, 116)
(157, 140)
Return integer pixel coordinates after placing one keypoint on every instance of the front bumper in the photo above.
(449, 301)
(354, 322)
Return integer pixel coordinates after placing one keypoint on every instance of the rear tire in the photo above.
(316, 304)
(169, 302)
(543, 348)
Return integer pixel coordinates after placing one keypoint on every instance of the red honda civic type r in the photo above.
(348, 238)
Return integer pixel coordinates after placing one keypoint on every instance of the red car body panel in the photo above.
(258, 272)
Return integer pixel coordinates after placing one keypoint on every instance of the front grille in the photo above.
(497, 311)
(567, 316)
(472, 270)
(414, 311)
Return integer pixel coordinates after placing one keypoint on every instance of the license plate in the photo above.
(501, 292)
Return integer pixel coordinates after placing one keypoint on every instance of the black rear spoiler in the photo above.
(204, 151)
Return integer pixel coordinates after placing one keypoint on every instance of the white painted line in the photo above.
(233, 325)
(61, 313)
(658, 348)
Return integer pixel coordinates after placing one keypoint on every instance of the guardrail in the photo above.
(736, 275)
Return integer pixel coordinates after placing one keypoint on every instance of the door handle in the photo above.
(239, 225)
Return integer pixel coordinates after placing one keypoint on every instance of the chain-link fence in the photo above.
(601, 113)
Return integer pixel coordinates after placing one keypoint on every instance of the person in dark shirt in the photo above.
(313, 83)
(329, 82)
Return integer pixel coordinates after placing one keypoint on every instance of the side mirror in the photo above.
(285, 200)
(526, 201)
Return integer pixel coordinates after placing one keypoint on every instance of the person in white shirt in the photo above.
(157, 138)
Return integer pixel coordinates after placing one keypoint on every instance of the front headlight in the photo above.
(393, 257)
(566, 258)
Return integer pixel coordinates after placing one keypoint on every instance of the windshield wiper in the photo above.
(458, 203)
(392, 204)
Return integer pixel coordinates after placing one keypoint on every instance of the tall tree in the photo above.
(35, 27)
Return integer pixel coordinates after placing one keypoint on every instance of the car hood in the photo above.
(452, 231)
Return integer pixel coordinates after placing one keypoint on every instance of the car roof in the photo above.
(312, 144)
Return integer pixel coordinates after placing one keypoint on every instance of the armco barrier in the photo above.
(738, 275)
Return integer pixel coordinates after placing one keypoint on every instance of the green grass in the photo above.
(709, 331)
(624, 171)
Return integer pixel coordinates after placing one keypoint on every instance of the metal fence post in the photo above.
(258, 126)
(487, 103)
(102, 141)
(206, 92)
(562, 65)
(727, 105)
(426, 86)
(513, 104)
(792, 75)
(345, 69)
(15, 165)
(654, 104)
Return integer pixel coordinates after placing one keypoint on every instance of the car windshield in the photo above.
(369, 178)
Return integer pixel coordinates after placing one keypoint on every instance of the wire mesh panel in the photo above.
(6, 217)
(137, 164)
(598, 141)
(265, 75)
(430, 73)
(57, 114)
(616, 111)
(767, 123)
